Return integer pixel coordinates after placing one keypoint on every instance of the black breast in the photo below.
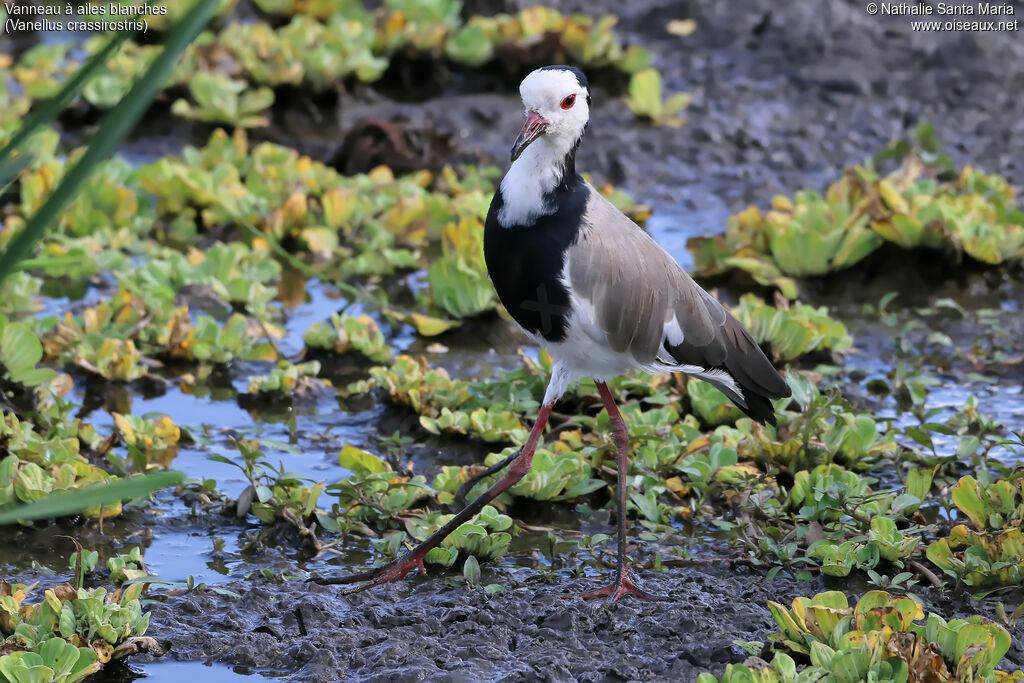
(525, 261)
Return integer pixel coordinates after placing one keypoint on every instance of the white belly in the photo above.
(585, 353)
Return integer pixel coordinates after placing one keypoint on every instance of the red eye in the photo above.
(568, 102)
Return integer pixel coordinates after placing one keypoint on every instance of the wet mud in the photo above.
(428, 630)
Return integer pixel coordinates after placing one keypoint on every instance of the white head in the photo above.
(557, 103)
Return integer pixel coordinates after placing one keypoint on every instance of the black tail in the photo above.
(735, 353)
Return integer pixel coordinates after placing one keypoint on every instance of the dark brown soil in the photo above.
(428, 630)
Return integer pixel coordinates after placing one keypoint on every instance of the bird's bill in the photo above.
(533, 128)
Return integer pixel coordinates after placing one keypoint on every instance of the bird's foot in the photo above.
(624, 584)
(393, 571)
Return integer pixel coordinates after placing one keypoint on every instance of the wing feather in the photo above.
(656, 312)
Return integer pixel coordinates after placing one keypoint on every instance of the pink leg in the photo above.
(413, 559)
(624, 582)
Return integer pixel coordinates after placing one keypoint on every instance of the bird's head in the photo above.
(557, 102)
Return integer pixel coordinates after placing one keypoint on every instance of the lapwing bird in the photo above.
(583, 280)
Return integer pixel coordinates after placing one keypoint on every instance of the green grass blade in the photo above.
(64, 504)
(49, 109)
(9, 170)
(118, 122)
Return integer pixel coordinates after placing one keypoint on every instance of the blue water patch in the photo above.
(175, 672)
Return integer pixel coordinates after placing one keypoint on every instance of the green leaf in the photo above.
(920, 437)
(645, 93)
(67, 620)
(89, 496)
(360, 462)
(471, 571)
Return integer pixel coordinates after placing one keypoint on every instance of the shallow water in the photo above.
(175, 672)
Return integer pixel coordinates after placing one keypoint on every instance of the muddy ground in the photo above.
(786, 93)
(428, 630)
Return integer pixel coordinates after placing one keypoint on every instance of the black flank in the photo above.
(525, 261)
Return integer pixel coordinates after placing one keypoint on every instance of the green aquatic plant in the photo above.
(782, 669)
(221, 99)
(152, 443)
(879, 639)
(113, 129)
(39, 464)
(20, 353)
(100, 496)
(792, 330)
(290, 380)
(322, 44)
(820, 494)
(54, 660)
(232, 271)
(347, 333)
(710, 404)
(558, 473)
(883, 542)
(814, 234)
(645, 99)
(485, 537)
(114, 338)
(992, 553)
(18, 294)
(458, 280)
(993, 506)
(373, 493)
(41, 69)
(98, 625)
(485, 409)
(127, 566)
(274, 495)
(110, 198)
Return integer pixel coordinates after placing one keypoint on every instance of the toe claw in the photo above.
(624, 584)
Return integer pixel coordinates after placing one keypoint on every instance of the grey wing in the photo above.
(658, 314)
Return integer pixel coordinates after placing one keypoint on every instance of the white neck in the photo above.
(530, 179)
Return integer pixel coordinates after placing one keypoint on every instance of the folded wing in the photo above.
(660, 316)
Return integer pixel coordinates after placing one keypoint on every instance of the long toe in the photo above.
(623, 585)
(393, 571)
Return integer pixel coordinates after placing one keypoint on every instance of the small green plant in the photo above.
(374, 492)
(275, 494)
(876, 639)
(793, 330)
(20, 353)
(222, 99)
(53, 660)
(484, 537)
(82, 562)
(645, 99)
(127, 566)
(345, 333)
(152, 443)
(71, 633)
(992, 553)
(290, 380)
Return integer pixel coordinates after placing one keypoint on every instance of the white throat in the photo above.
(525, 189)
